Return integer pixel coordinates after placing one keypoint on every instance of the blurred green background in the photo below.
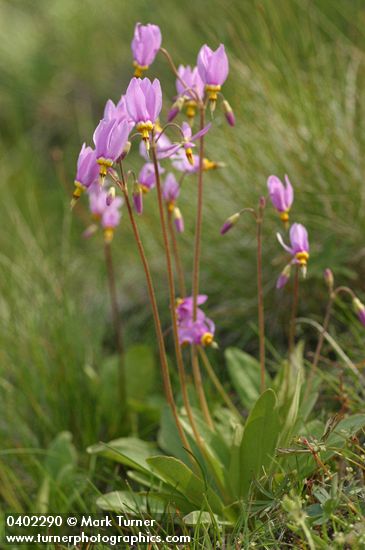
(296, 85)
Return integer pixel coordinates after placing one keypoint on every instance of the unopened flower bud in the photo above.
(230, 222)
(126, 150)
(175, 108)
(90, 231)
(228, 113)
(328, 278)
(179, 220)
(262, 203)
(138, 198)
(110, 196)
(359, 308)
(283, 277)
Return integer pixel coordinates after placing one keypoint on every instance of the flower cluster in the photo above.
(105, 209)
(199, 332)
(137, 113)
(282, 197)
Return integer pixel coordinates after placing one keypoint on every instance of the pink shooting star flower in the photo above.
(147, 177)
(105, 211)
(87, 172)
(162, 143)
(118, 111)
(199, 332)
(189, 94)
(185, 307)
(144, 103)
(281, 196)
(213, 69)
(110, 138)
(187, 142)
(181, 163)
(110, 218)
(299, 246)
(145, 45)
(170, 191)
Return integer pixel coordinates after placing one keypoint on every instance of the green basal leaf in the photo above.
(198, 517)
(128, 502)
(259, 440)
(130, 451)
(179, 476)
(244, 371)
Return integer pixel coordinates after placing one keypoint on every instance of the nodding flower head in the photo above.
(281, 196)
(87, 172)
(190, 89)
(110, 138)
(144, 103)
(187, 142)
(199, 332)
(162, 144)
(147, 177)
(145, 45)
(299, 246)
(213, 70)
(170, 191)
(105, 211)
(182, 164)
(359, 308)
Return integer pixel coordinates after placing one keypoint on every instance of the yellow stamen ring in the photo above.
(212, 91)
(207, 339)
(190, 109)
(189, 155)
(209, 164)
(284, 216)
(108, 234)
(139, 69)
(79, 189)
(104, 165)
(302, 257)
(144, 128)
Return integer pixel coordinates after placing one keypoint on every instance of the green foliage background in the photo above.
(297, 88)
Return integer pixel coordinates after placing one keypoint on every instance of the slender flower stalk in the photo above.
(260, 294)
(176, 252)
(198, 382)
(294, 310)
(328, 276)
(196, 270)
(216, 382)
(156, 317)
(178, 352)
(117, 325)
